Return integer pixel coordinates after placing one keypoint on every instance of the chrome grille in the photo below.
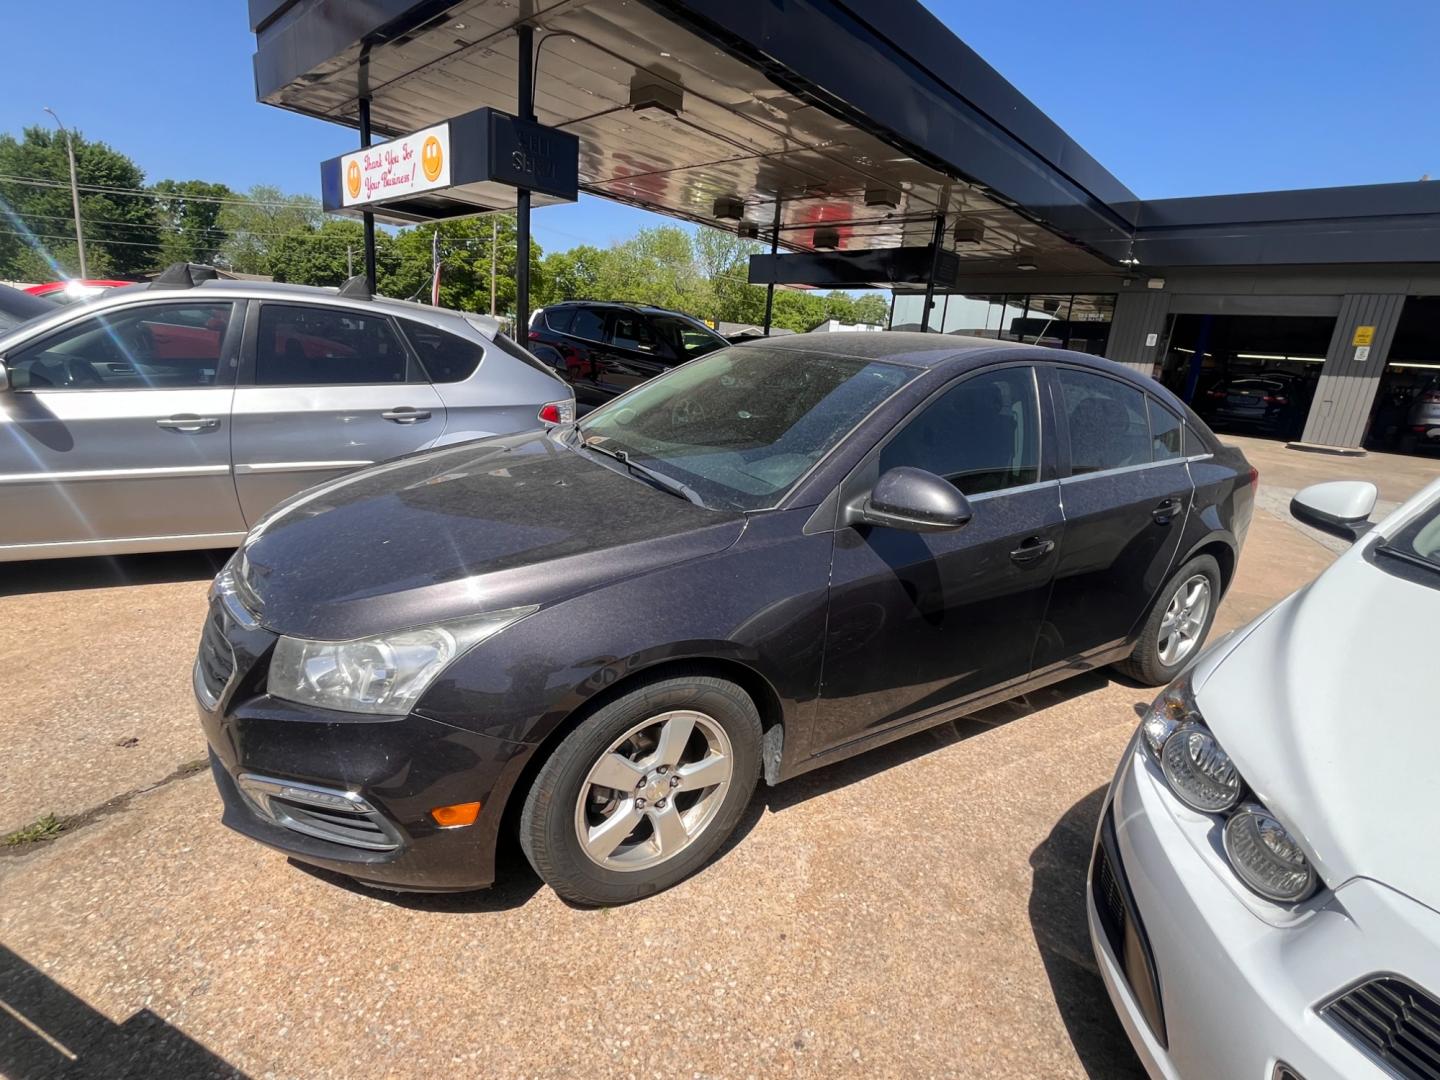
(1399, 1024)
(341, 817)
(214, 661)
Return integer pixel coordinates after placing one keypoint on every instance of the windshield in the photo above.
(741, 426)
(1421, 538)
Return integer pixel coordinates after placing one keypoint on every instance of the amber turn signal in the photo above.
(452, 817)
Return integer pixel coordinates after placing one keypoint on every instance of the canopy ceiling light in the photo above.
(969, 232)
(879, 195)
(728, 208)
(747, 230)
(649, 94)
(827, 238)
(1026, 263)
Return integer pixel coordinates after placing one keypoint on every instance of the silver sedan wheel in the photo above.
(655, 791)
(1184, 619)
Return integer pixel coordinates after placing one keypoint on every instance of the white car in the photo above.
(1264, 898)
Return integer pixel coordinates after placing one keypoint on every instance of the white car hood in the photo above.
(1328, 706)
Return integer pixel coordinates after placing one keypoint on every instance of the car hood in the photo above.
(1327, 707)
(485, 525)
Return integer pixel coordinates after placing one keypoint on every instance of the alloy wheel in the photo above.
(1184, 620)
(654, 791)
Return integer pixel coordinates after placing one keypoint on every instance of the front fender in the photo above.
(760, 603)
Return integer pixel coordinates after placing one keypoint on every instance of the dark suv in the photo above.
(606, 349)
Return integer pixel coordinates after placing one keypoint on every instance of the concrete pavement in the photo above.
(916, 910)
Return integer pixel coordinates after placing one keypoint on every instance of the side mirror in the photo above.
(914, 500)
(4, 376)
(1341, 507)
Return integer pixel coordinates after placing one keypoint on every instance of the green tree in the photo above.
(254, 225)
(872, 308)
(189, 220)
(657, 266)
(37, 221)
(325, 255)
(574, 274)
(800, 310)
(724, 259)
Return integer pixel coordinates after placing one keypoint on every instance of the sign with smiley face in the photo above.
(404, 166)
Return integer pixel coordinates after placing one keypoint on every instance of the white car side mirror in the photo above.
(1341, 507)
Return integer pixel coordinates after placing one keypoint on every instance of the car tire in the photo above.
(1158, 657)
(658, 744)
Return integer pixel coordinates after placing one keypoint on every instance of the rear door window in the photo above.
(314, 346)
(1166, 432)
(588, 323)
(1108, 425)
(629, 331)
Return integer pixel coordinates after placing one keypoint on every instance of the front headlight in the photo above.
(1198, 772)
(1266, 857)
(382, 675)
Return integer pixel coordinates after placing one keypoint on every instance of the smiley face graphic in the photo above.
(352, 179)
(432, 158)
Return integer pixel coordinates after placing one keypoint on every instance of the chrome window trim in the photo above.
(1121, 470)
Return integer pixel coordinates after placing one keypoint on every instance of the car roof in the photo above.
(486, 325)
(623, 305)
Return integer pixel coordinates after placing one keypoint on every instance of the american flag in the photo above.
(435, 264)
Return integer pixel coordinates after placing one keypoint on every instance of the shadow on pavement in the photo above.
(1057, 917)
(103, 572)
(46, 1031)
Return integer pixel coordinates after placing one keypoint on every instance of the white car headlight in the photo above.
(1266, 857)
(382, 675)
(1198, 771)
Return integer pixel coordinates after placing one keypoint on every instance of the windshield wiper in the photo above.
(1405, 557)
(655, 479)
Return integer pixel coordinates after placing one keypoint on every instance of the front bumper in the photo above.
(1240, 981)
(398, 769)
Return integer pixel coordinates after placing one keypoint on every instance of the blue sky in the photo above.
(1174, 98)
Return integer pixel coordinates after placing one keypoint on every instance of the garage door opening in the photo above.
(1251, 374)
(1406, 414)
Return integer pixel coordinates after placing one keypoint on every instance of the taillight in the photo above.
(1431, 397)
(1217, 394)
(558, 412)
(1275, 399)
(534, 335)
(1254, 477)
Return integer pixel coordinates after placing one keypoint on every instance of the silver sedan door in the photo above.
(324, 390)
(115, 434)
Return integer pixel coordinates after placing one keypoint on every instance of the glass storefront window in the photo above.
(1079, 321)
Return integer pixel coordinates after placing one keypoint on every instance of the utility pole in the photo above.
(74, 192)
(494, 240)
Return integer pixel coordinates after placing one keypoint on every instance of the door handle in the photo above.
(1164, 512)
(1037, 547)
(188, 422)
(405, 415)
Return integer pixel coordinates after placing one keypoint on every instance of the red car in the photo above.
(75, 290)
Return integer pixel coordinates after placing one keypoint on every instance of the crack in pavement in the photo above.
(73, 823)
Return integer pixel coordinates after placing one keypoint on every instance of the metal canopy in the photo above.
(864, 118)
(740, 131)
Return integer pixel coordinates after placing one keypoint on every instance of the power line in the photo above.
(146, 193)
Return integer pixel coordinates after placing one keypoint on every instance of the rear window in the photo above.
(511, 347)
(445, 357)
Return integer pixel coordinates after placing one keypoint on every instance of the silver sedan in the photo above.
(161, 418)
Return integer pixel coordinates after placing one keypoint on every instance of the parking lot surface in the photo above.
(916, 910)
